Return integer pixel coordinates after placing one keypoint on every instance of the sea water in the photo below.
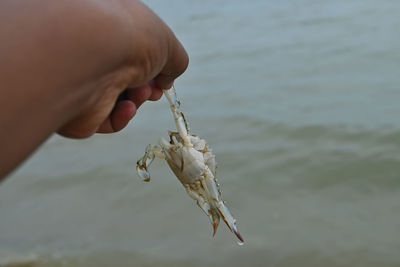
(300, 102)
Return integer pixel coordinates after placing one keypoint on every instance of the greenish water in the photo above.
(299, 101)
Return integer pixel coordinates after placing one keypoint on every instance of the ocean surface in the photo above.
(300, 101)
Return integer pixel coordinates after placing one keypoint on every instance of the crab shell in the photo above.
(193, 163)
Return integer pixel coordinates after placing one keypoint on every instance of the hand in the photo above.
(64, 64)
(152, 59)
(125, 108)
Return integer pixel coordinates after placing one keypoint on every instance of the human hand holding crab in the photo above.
(65, 63)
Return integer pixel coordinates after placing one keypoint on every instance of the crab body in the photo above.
(193, 163)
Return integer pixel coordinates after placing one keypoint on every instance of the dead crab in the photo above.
(193, 163)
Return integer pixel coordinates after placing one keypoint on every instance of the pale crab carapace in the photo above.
(193, 163)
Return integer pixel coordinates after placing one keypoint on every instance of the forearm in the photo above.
(52, 60)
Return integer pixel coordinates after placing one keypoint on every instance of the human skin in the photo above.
(64, 63)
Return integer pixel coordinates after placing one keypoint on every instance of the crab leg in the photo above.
(228, 219)
(223, 211)
(178, 116)
(200, 200)
(144, 162)
(204, 205)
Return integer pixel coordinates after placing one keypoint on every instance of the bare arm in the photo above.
(63, 64)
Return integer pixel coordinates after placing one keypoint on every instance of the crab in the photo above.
(193, 163)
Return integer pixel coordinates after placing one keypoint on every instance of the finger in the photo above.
(176, 64)
(122, 113)
(129, 101)
(139, 95)
(156, 94)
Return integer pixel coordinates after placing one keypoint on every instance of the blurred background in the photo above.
(299, 101)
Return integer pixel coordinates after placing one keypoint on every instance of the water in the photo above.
(300, 102)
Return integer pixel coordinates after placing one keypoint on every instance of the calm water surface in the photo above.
(300, 102)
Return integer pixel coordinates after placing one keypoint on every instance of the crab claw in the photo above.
(143, 173)
(229, 220)
(144, 162)
(215, 221)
